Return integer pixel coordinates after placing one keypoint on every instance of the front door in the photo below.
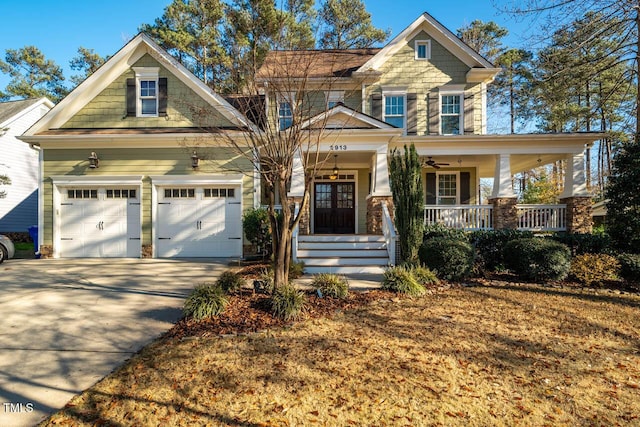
(334, 209)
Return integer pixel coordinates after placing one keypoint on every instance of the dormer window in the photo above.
(423, 49)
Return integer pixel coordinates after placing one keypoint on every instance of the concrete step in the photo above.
(323, 262)
(340, 238)
(325, 252)
(345, 269)
(342, 245)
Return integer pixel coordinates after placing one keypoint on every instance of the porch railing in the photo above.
(464, 217)
(294, 236)
(389, 232)
(542, 217)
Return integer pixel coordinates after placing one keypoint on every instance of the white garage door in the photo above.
(100, 222)
(197, 222)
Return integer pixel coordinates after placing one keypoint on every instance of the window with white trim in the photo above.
(82, 193)
(447, 188)
(285, 115)
(146, 91)
(423, 50)
(451, 114)
(394, 110)
(219, 193)
(179, 193)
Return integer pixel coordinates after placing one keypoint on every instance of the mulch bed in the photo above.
(249, 312)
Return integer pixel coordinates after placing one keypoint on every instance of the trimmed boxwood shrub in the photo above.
(630, 267)
(594, 269)
(452, 259)
(538, 259)
(399, 279)
(206, 300)
(441, 231)
(489, 245)
(584, 243)
(257, 228)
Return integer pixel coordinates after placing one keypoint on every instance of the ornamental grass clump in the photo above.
(206, 300)
(287, 302)
(538, 259)
(594, 269)
(331, 285)
(230, 281)
(400, 280)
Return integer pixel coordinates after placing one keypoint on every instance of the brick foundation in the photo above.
(579, 218)
(374, 213)
(505, 214)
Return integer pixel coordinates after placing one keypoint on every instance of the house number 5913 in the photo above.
(338, 147)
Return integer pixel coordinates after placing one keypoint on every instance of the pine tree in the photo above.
(346, 24)
(32, 75)
(87, 62)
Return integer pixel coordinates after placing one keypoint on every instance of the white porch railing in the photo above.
(465, 217)
(389, 232)
(294, 236)
(542, 217)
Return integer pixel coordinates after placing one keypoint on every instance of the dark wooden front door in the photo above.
(334, 209)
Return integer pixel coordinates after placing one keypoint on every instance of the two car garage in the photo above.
(189, 218)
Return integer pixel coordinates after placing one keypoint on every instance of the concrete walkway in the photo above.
(65, 324)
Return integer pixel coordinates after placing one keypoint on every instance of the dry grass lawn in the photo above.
(475, 356)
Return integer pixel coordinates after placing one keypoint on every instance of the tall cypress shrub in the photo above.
(408, 199)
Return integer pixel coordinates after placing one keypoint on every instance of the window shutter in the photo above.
(412, 114)
(434, 114)
(376, 105)
(468, 115)
(465, 188)
(431, 188)
(131, 97)
(162, 96)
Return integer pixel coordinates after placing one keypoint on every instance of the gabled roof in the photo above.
(119, 64)
(342, 117)
(11, 110)
(314, 63)
(439, 33)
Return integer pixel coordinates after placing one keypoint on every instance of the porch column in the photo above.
(297, 177)
(576, 196)
(380, 191)
(503, 198)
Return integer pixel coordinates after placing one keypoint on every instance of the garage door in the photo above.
(197, 222)
(100, 222)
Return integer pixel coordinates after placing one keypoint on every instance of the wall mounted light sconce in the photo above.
(336, 170)
(94, 161)
(194, 160)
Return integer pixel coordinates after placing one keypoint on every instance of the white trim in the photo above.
(42, 101)
(40, 200)
(427, 44)
(67, 180)
(460, 95)
(195, 180)
(393, 92)
(150, 74)
(447, 172)
(342, 109)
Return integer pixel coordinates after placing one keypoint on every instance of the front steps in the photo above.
(343, 254)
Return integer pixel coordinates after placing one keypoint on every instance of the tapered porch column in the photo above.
(576, 196)
(296, 192)
(380, 190)
(503, 198)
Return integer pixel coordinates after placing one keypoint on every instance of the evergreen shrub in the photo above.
(538, 259)
(452, 259)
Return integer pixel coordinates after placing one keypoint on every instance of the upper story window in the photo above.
(285, 115)
(451, 121)
(147, 91)
(334, 97)
(394, 110)
(423, 49)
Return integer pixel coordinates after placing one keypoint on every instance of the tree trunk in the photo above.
(637, 64)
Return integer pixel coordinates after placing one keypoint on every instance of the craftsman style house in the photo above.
(125, 173)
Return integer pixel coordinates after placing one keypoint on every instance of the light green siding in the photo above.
(144, 162)
(422, 77)
(363, 192)
(184, 107)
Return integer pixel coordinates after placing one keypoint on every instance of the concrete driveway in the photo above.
(64, 324)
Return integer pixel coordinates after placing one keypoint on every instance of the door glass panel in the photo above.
(323, 196)
(345, 196)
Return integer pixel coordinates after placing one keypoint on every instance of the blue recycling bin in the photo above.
(33, 233)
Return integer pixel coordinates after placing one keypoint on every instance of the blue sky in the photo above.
(58, 28)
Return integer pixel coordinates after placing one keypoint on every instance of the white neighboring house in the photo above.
(20, 162)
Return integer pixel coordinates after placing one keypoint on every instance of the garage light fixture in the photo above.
(94, 161)
(194, 160)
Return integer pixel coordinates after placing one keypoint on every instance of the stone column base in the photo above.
(304, 226)
(374, 213)
(578, 219)
(147, 251)
(505, 214)
(46, 251)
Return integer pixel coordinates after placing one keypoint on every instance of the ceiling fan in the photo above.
(433, 164)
